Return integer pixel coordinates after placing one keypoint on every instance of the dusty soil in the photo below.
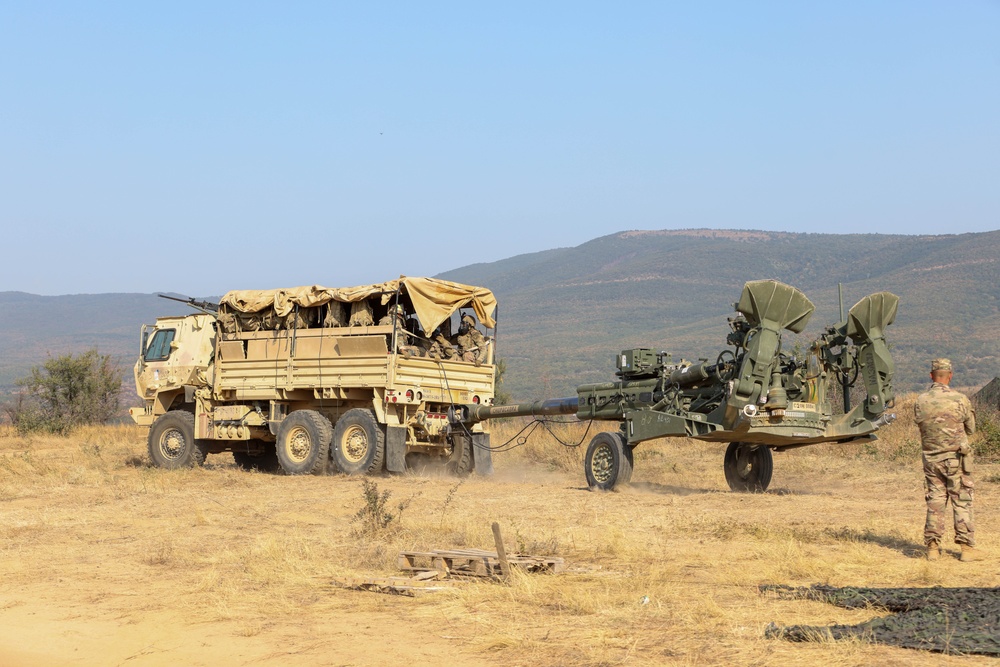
(106, 561)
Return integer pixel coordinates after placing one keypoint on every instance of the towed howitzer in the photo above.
(753, 396)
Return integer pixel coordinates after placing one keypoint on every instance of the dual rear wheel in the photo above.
(358, 446)
(302, 443)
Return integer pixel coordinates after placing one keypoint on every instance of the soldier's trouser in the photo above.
(946, 481)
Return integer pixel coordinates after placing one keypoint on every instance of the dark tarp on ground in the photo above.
(946, 620)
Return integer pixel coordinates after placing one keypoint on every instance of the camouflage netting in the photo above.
(946, 620)
(988, 396)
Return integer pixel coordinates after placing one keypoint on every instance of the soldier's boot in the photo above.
(933, 551)
(970, 554)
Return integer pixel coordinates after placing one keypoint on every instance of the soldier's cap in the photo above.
(941, 364)
(468, 318)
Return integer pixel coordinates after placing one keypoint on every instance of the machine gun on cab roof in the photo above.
(205, 306)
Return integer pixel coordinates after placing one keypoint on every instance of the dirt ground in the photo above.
(107, 561)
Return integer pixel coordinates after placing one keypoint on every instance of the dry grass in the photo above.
(244, 561)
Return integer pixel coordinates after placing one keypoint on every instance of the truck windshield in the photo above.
(159, 346)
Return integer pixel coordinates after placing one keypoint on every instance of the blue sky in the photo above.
(202, 147)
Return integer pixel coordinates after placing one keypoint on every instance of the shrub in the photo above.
(66, 392)
(988, 425)
(374, 518)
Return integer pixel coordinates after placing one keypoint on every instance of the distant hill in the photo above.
(565, 312)
(33, 327)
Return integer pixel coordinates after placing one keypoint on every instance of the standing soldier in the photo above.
(946, 421)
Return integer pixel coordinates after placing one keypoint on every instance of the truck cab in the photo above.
(175, 359)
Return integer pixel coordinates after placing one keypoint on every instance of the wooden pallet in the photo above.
(424, 582)
(474, 562)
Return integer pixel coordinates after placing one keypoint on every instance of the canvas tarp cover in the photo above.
(433, 300)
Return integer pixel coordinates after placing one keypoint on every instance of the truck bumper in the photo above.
(140, 416)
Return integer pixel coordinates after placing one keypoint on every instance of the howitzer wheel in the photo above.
(608, 462)
(748, 467)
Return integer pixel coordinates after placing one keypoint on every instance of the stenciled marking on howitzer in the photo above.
(504, 409)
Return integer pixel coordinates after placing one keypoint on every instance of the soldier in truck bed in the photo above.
(471, 342)
(397, 316)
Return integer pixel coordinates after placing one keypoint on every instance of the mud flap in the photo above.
(482, 456)
(395, 448)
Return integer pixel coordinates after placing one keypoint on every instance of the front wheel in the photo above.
(748, 467)
(303, 442)
(608, 462)
(171, 441)
(358, 445)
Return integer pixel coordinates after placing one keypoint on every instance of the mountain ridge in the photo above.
(564, 312)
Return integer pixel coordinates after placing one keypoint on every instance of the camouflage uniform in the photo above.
(946, 419)
(400, 321)
(471, 341)
(441, 348)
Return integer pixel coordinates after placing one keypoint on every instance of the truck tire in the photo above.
(608, 462)
(263, 461)
(748, 467)
(303, 443)
(171, 441)
(358, 446)
(460, 462)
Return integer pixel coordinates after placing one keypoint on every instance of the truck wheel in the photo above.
(358, 443)
(608, 462)
(303, 443)
(460, 461)
(748, 467)
(263, 461)
(171, 441)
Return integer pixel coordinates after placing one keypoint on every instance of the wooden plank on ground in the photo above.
(474, 562)
(409, 586)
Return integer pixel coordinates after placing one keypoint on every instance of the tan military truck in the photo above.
(312, 378)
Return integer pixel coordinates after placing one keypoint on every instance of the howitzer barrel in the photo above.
(470, 414)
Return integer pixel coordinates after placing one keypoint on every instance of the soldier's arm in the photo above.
(970, 418)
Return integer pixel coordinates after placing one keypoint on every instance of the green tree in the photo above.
(500, 397)
(66, 392)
